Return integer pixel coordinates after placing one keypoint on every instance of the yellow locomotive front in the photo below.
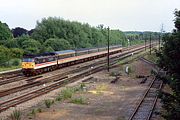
(28, 66)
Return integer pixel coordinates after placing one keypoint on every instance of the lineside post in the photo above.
(108, 49)
(159, 41)
(150, 43)
(145, 44)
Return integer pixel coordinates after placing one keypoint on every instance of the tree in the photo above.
(16, 53)
(18, 31)
(169, 60)
(30, 32)
(4, 55)
(11, 43)
(57, 44)
(31, 46)
(5, 32)
(77, 34)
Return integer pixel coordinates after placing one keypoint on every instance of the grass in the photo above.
(68, 92)
(151, 57)
(131, 58)
(2, 68)
(16, 115)
(33, 113)
(48, 103)
(80, 100)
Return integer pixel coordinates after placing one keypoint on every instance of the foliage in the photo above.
(4, 55)
(57, 44)
(137, 35)
(15, 62)
(7, 54)
(16, 52)
(11, 43)
(5, 32)
(18, 31)
(77, 34)
(169, 61)
(31, 46)
(16, 115)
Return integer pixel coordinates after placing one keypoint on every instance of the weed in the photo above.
(33, 112)
(48, 103)
(39, 110)
(59, 98)
(16, 115)
(80, 100)
(82, 86)
(67, 93)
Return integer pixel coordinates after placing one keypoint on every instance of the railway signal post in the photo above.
(108, 49)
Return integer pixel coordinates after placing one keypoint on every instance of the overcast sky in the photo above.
(126, 15)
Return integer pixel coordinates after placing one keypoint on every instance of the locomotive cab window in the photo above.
(28, 60)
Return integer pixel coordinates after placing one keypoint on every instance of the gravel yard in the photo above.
(105, 96)
(103, 99)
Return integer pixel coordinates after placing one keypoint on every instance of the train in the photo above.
(49, 61)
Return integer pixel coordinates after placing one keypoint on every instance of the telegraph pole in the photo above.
(150, 43)
(145, 44)
(108, 48)
(159, 40)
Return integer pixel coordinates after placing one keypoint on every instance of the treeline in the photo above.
(137, 35)
(54, 34)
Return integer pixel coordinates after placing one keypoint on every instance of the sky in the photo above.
(125, 15)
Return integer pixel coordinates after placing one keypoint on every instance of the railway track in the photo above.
(59, 82)
(14, 76)
(113, 60)
(144, 109)
(13, 79)
(11, 74)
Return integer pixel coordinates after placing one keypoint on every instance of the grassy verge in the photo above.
(151, 57)
(2, 68)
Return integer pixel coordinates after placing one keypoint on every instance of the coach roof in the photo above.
(64, 52)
